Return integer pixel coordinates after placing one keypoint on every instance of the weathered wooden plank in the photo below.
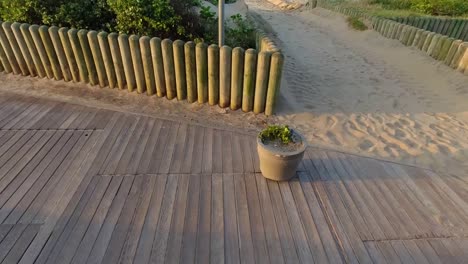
(297, 230)
(219, 151)
(161, 143)
(174, 243)
(401, 251)
(122, 226)
(187, 158)
(91, 233)
(131, 242)
(146, 159)
(375, 252)
(130, 148)
(190, 232)
(428, 251)
(158, 251)
(371, 221)
(197, 155)
(310, 228)
(41, 198)
(148, 232)
(168, 154)
(205, 226)
(355, 215)
(282, 224)
(226, 149)
(105, 234)
(231, 237)
(366, 195)
(62, 230)
(256, 222)
(179, 149)
(22, 244)
(271, 231)
(237, 153)
(10, 240)
(132, 166)
(353, 246)
(17, 189)
(414, 251)
(66, 251)
(207, 161)
(44, 242)
(243, 216)
(388, 251)
(247, 154)
(110, 165)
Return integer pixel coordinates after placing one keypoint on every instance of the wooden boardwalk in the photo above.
(87, 185)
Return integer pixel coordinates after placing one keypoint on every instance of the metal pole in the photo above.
(220, 23)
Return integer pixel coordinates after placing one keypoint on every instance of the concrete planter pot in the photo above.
(278, 165)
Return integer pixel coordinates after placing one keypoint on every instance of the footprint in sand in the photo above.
(366, 145)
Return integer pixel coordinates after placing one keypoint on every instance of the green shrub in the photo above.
(441, 7)
(356, 23)
(276, 132)
(175, 19)
(87, 14)
(240, 32)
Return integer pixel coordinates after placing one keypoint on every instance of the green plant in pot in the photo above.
(280, 150)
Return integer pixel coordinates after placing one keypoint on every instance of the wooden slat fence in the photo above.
(229, 77)
(445, 44)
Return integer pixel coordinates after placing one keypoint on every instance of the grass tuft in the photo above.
(356, 23)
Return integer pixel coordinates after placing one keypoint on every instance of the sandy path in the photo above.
(362, 93)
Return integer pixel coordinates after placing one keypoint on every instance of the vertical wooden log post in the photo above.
(459, 55)
(201, 51)
(34, 30)
(16, 29)
(453, 49)
(250, 66)
(62, 59)
(213, 74)
(147, 65)
(444, 49)
(237, 78)
(88, 56)
(135, 52)
(274, 84)
(15, 48)
(127, 62)
(225, 59)
(261, 83)
(107, 58)
(158, 66)
(179, 66)
(4, 60)
(117, 59)
(191, 71)
(428, 41)
(78, 52)
(70, 57)
(97, 57)
(169, 72)
(49, 47)
(10, 56)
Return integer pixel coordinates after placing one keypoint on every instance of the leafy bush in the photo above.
(356, 23)
(87, 14)
(240, 32)
(163, 18)
(430, 7)
(441, 7)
